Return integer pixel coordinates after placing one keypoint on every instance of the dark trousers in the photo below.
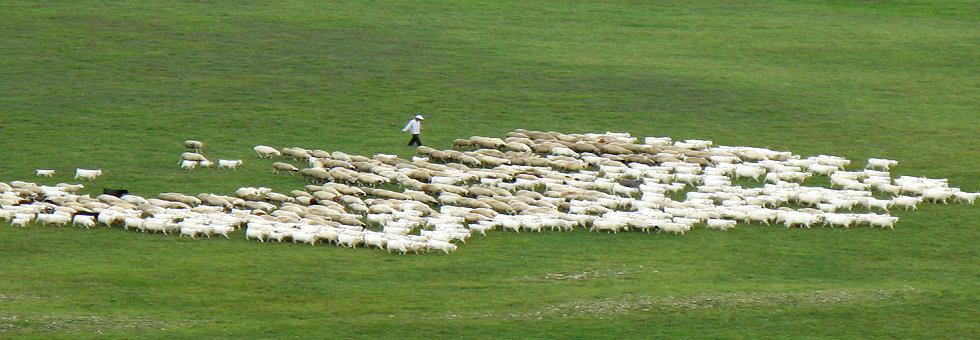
(415, 140)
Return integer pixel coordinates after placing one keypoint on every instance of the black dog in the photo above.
(115, 192)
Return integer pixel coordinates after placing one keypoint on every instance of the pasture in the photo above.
(120, 85)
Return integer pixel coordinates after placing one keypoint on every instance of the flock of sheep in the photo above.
(529, 181)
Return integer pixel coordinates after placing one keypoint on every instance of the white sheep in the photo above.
(937, 194)
(44, 172)
(229, 163)
(882, 221)
(350, 238)
(440, 245)
(304, 237)
(376, 239)
(906, 202)
(720, 224)
(675, 228)
(256, 233)
(966, 197)
(86, 221)
(657, 141)
(842, 220)
(88, 174)
(880, 163)
(20, 222)
(400, 245)
(55, 219)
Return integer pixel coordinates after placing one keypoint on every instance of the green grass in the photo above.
(119, 85)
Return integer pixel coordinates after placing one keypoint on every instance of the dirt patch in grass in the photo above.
(583, 275)
(610, 307)
(7, 298)
(52, 322)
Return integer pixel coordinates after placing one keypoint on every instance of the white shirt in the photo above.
(413, 126)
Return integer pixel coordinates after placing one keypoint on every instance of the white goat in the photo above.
(88, 174)
(229, 163)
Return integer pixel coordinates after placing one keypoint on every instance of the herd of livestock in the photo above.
(528, 181)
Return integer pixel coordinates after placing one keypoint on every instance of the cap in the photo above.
(419, 117)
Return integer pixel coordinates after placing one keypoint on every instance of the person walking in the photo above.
(414, 127)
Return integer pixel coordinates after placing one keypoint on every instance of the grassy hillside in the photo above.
(119, 85)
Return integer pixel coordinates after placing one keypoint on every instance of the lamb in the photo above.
(44, 172)
(188, 164)
(88, 174)
(229, 163)
(266, 151)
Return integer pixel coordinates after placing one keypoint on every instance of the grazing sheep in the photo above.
(266, 151)
(44, 172)
(192, 156)
(194, 145)
(280, 166)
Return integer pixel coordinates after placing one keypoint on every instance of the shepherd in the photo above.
(414, 127)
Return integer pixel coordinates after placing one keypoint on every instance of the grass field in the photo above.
(118, 85)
